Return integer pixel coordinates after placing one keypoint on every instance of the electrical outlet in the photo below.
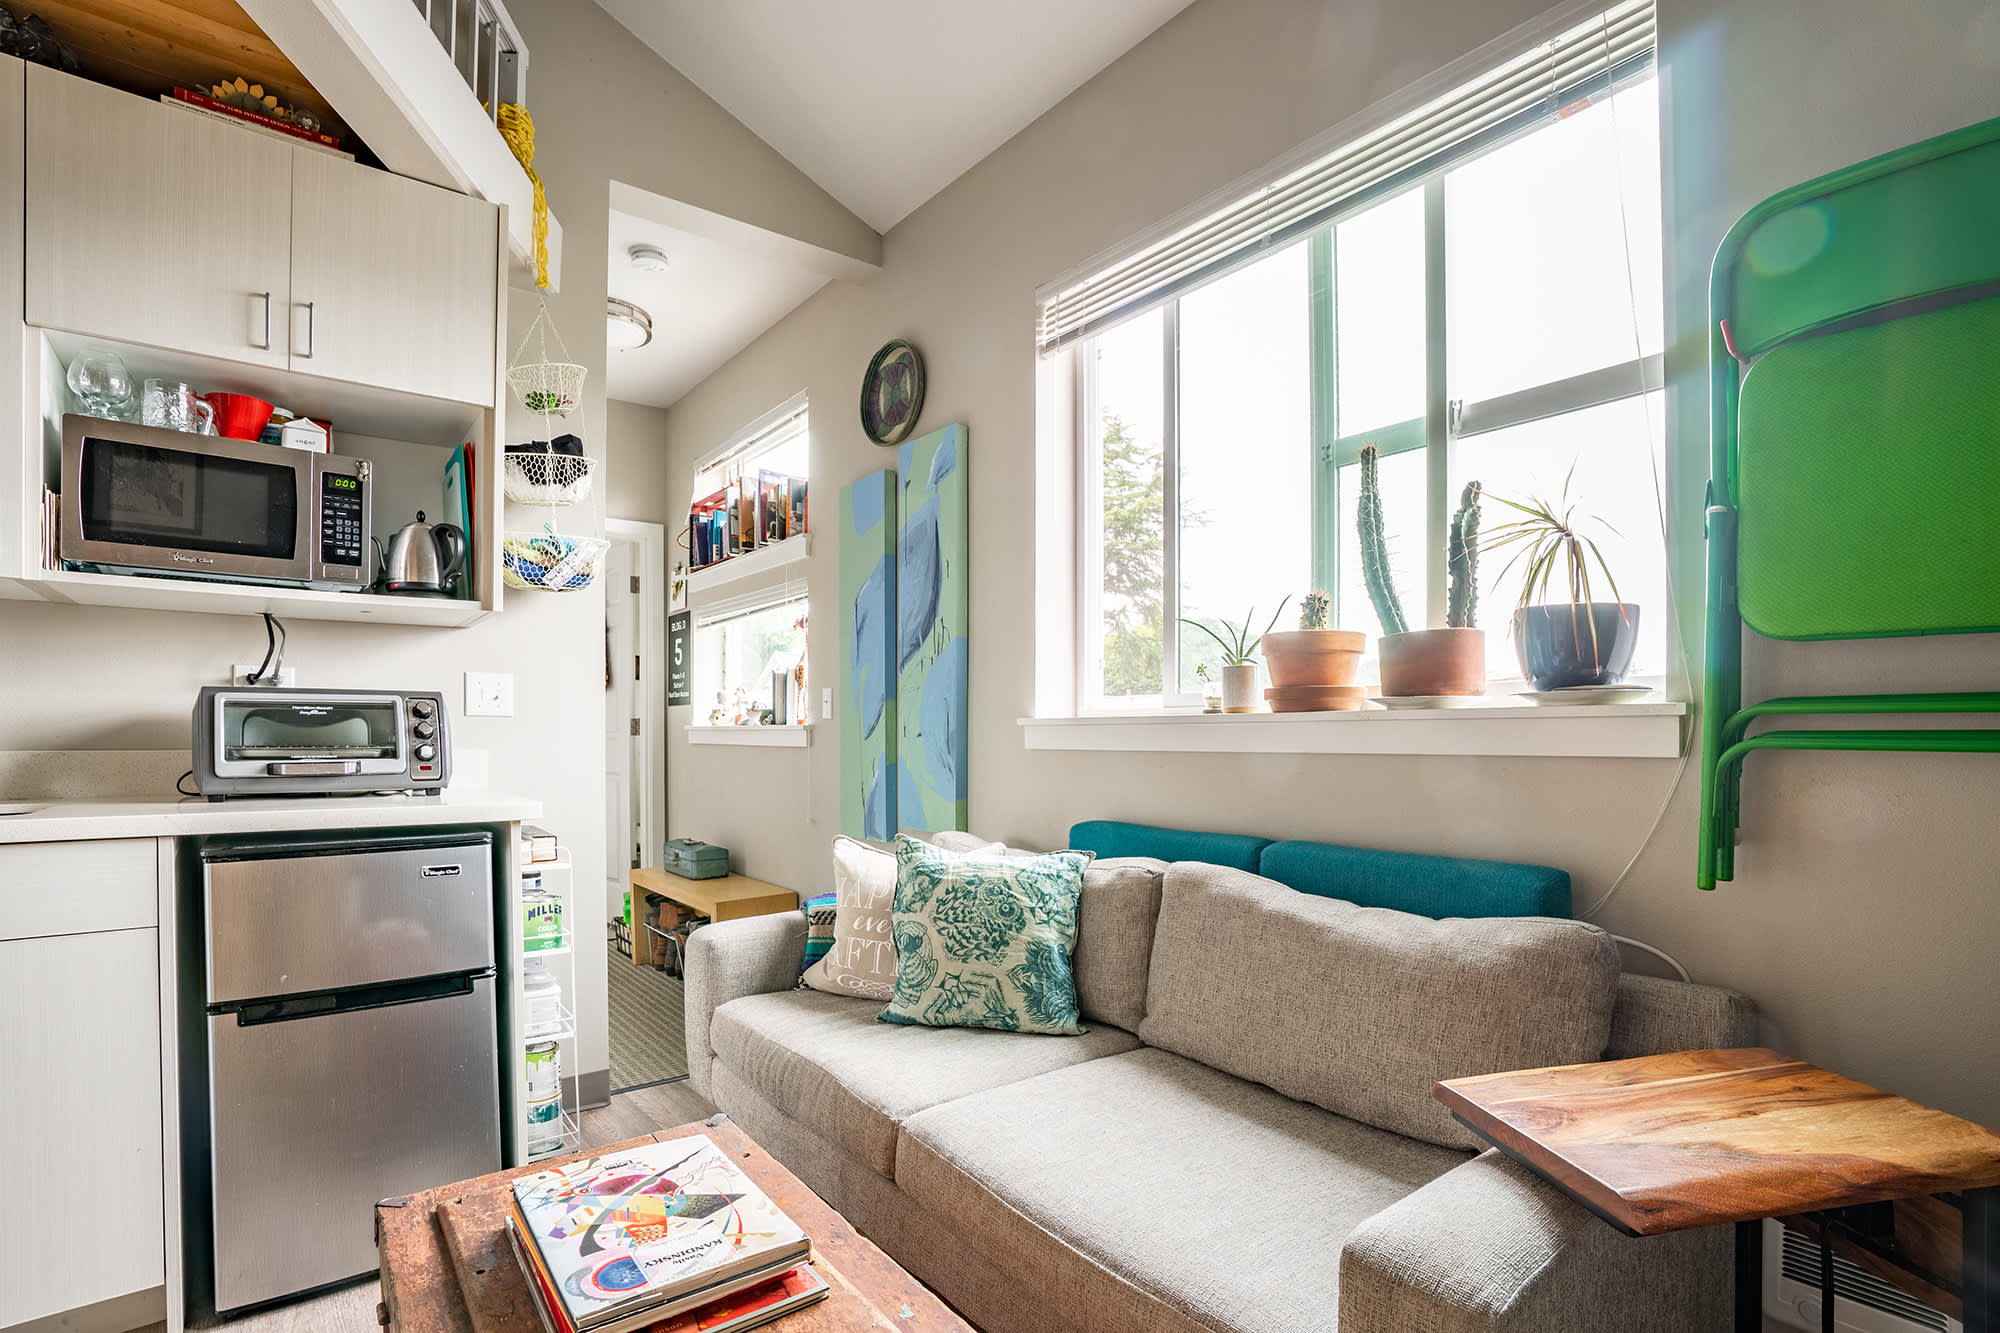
(489, 694)
(240, 675)
(826, 703)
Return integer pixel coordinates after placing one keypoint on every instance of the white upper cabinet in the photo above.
(153, 225)
(394, 282)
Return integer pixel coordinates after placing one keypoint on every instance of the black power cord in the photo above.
(272, 668)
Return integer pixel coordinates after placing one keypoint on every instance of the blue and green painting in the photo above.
(928, 757)
(868, 656)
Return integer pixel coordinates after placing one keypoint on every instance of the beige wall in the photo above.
(638, 469)
(1863, 913)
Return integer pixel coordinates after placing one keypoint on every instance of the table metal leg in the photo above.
(1750, 1277)
(1829, 1322)
(1982, 1260)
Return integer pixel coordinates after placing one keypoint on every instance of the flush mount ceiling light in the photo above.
(647, 258)
(627, 327)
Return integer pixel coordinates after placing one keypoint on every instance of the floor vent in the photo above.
(1867, 1304)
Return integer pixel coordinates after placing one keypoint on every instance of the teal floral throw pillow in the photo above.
(984, 941)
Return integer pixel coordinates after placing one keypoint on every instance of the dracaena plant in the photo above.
(1549, 545)
(1239, 645)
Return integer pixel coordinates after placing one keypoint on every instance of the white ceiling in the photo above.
(884, 106)
(711, 303)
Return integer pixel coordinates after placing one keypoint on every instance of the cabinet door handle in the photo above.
(307, 354)
(266, 298)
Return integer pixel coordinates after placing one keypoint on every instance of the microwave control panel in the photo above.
(340, 534)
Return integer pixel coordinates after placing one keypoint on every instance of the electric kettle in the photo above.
(421, 556)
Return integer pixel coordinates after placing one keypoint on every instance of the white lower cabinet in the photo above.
(81, 1183)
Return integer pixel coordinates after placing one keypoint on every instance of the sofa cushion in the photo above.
(1215, 1202)
(1361, 1009)
(860, 958)
(1114, 930)
(1436, 886)
(1111, 837)
(824, 1060)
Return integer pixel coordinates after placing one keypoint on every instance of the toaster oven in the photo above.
(303, 742)
(144, 500)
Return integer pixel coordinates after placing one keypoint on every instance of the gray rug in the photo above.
(647, 1024)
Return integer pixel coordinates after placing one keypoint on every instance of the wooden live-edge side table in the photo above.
(1669, 1143)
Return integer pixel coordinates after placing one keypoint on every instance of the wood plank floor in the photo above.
(352, 1310)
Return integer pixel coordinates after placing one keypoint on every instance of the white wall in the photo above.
(1863, 911)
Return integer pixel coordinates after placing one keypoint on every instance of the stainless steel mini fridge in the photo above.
(352, 1045)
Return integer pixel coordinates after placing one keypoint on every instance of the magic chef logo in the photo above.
(435, 872)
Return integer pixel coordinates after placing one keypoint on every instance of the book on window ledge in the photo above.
(621, 1241)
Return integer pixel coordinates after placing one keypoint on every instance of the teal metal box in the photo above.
(691, 859)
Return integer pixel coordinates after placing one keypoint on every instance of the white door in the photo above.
(634, 700)
(151, 224)
(81, 1186)
(620, 725)
(394, 282)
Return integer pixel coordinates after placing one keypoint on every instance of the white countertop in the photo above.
(69, 821)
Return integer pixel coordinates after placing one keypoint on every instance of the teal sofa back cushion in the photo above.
(1433, 886)
(1109, 838)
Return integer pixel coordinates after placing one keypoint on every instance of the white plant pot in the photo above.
(1239, 689)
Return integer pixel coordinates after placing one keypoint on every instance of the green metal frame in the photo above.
(1893, 237)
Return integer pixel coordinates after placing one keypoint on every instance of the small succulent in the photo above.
(1313, 608)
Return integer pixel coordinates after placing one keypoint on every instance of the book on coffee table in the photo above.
(625, 1239)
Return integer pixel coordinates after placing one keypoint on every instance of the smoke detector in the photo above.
(647, 258)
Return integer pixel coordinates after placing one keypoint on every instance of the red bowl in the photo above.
(238, 415)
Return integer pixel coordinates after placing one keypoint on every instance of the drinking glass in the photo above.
(101, 383)
(172, 405)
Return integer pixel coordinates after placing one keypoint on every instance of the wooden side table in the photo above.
(723, 898)
(1703, 1138)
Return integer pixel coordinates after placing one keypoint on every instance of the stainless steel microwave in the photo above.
(142, 500)
(261, 741)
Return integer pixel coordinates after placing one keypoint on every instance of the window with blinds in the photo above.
(1582, 62)
(1473, 286)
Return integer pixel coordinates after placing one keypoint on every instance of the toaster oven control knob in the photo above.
(427, 752)
(421, 708)
(425, 729)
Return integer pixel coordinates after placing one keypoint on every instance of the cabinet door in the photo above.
(394, 282)
(151, 224)
(81, 1185)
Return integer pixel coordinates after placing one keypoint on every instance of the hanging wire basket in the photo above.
(547, 478)
(551, 561)
(547, 388)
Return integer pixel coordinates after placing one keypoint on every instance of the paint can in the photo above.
(542, 996)
(541, 921)
(545, 1127)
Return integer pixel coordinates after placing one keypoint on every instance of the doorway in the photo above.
(647, 1042)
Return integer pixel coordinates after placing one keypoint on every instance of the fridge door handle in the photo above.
(291, 1008)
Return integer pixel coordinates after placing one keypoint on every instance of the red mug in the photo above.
(238, 415)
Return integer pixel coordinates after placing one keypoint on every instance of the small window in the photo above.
(749, 666)
(754, 492)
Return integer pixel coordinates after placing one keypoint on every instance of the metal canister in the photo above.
(544, 1071)
(545, 1127)
(541, 921)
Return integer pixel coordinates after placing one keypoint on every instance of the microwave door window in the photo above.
(271, 731)
(141, 495)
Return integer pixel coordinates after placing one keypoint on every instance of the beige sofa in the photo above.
(1243, 1140)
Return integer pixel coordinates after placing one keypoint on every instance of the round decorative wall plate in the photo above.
(892, 393)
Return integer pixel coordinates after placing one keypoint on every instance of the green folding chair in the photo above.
(1854, 487)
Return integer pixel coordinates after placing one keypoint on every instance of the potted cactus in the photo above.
(1573, 643)
(1239, 658)
(1312, 667)
(1424, 662)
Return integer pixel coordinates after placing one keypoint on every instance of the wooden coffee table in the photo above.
(423, 1290)
(1702, 1138)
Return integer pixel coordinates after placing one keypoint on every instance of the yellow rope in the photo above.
(517, 127)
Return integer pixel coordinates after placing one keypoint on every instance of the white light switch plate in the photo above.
(826, 704)
(240, 675)
(489, 694)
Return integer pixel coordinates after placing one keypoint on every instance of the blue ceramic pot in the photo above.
(1556, 646)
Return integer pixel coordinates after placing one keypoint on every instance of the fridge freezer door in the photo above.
(312, 1120)
(287, 925)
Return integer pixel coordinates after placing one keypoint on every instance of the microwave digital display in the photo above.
(144, 495)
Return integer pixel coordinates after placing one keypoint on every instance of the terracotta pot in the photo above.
(1313, 656)
(1434, 661)
(1239, 689)
(1557, 645)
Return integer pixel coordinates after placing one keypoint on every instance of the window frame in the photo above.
(1445, 422)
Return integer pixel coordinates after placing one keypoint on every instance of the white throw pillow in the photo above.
(862, 961)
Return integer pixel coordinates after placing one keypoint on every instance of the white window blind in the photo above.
(1547, 80)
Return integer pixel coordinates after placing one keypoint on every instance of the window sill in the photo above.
(773, 561)
(790, 738)
(1588, 731)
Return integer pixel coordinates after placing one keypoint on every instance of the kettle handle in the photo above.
(450, 541)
